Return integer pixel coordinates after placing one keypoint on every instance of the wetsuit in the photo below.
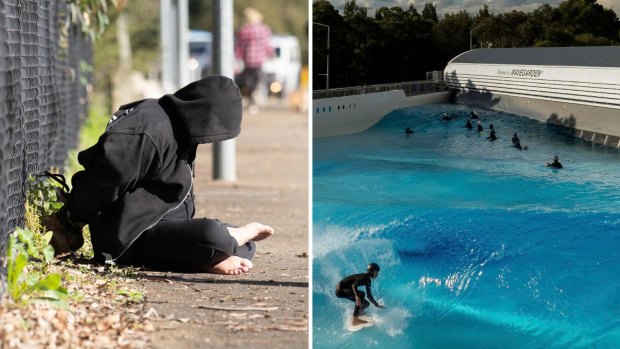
(347, 288)
(468, 125)
(480, 128)
(492, 137)
(555, 164)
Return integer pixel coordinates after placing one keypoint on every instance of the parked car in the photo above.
(200, 51)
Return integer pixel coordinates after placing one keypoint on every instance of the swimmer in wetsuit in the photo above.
(473, 115)
(408, 131)
(555, 164)
(516, 142)
(347, 288)
(480, 129)
(468, 125)
(492, 136)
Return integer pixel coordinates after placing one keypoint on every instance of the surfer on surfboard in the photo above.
(347, 288)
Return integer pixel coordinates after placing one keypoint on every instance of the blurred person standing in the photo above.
(253, 46)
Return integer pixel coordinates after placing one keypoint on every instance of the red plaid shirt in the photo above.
(254, 44)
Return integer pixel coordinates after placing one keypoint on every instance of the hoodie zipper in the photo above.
(191, 185)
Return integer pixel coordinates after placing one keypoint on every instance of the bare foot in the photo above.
(232, 265)
(250, 232)
(357, 321)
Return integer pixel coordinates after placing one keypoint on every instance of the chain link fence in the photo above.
(42, 99)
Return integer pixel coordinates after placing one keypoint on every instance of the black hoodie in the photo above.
(139, 170)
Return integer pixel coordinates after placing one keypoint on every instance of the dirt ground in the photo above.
(267, 307)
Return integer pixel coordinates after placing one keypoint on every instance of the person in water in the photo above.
(348, 288)
(473, 115)
(555, 163)
(447, 117)
(408, 131)
(468, 125)
(492, 136)
(516, 142)
(480, 129)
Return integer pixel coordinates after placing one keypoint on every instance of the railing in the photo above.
(410, 88)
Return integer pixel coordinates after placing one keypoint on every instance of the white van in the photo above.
(282, 72)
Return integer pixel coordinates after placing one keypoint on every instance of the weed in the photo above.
(128, 272)
(130, 296)
(41, 202)
(30, 254)
(27, 281)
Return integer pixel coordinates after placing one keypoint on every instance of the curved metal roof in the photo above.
(582, 56)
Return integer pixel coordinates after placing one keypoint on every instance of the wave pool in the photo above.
(480, 244)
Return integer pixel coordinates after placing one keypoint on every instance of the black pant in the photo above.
(185, 245)
(251, 78)
(348, 294)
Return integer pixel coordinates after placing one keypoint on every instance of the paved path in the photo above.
(268, 307)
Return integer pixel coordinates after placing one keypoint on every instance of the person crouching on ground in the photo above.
(347, 288)
(135, 191)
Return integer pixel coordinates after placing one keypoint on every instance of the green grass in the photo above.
(90, 131)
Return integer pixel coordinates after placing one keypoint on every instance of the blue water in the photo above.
(480, 244)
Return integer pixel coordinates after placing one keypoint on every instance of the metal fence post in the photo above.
(174, 27)
(224, 156)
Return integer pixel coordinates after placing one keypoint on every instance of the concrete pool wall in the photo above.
(345, 115)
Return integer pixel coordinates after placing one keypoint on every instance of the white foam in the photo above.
(334, 237)
(393, 321)
(331, 238)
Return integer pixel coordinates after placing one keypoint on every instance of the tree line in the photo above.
(402, 44)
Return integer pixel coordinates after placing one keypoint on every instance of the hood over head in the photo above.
(205, 111)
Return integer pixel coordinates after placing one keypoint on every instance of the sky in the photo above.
(472, 6)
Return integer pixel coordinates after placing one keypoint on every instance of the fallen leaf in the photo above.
(151, 313)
